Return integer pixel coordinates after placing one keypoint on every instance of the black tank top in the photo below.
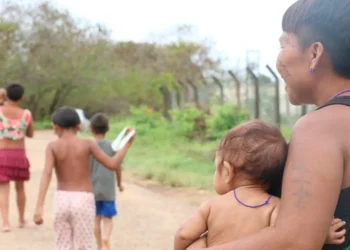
(343, 207)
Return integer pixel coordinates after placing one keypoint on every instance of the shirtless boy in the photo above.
(74, 204)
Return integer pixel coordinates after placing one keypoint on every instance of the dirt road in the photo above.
(147, 218)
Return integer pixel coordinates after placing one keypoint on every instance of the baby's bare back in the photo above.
(229, 220)
(72, 157)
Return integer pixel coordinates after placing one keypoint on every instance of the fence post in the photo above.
(186, 93)
(195, 92)
(303, 110)
(221, 88)
(178, 95)
(205, 83)
(166, 101)
(277, 98)
(257, 93)
(238, 88)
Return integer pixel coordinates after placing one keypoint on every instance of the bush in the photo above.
(188, 123)
(224, 118)
(185, 122)
(146, 119)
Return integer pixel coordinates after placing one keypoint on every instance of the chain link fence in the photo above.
(264, 97)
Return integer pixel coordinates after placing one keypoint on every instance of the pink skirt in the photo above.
(14, 165)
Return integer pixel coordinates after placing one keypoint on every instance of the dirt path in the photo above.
(147, 218)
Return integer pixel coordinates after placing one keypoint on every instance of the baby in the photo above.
(248, 159)
(69, 157)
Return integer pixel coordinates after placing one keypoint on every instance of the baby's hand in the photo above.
(201, 243)
(334, 237)
(38, 217)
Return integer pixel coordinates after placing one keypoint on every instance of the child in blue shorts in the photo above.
(103, 183)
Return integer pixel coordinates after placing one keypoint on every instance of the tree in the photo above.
(65, 62)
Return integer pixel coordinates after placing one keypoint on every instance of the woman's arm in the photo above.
(29, 124)
(30, 130)
(311, 186)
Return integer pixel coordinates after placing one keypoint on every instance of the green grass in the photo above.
(160, 154)
(176, 163)
(42, 125)
(171, 160)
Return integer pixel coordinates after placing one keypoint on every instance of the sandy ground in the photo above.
(148, 214)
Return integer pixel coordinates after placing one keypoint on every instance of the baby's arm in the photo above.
(112, 163)
(45, 182)
(334, 236)
(193, 228)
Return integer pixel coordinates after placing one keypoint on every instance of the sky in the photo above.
(234, 26)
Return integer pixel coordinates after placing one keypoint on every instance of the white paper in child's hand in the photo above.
(122, 139)
(116, 142)
(126, 139)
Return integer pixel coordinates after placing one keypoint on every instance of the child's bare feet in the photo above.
(106, 245)
(6, 228)
(21, 223)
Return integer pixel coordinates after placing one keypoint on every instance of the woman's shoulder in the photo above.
(27, 111)
(27, 116)
(14, 113)
(24, 111)
(320, 123)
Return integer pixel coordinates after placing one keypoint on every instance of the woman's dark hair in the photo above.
(324, 21)
(15, 92)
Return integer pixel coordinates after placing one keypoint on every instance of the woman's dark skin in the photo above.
(318, 163)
